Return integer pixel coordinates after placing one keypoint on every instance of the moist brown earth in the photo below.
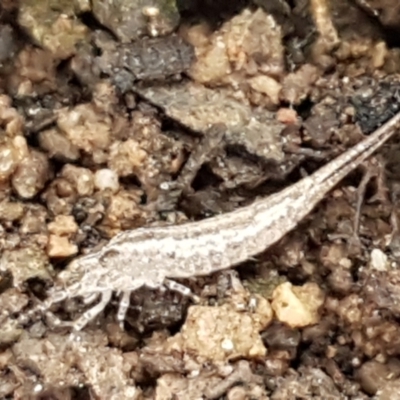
(120, 115)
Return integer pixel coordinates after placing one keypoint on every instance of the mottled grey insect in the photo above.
(147, 59)
(154, 256)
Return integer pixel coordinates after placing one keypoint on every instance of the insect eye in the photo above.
(109, 257)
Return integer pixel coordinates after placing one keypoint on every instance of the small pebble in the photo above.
(379, 260)
(106, 179)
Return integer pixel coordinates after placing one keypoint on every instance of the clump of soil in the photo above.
(120, 115)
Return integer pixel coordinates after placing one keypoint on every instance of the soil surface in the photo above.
(126, 114)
